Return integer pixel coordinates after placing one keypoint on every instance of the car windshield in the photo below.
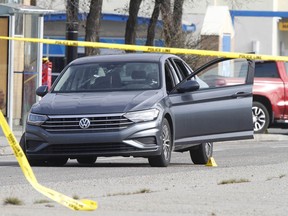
(109, 76)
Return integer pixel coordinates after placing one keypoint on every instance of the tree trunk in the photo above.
(167, 21)
(72, 26)
(131, 24)
(172, 23)
(177, 34)
(153, 23)
(93, 26)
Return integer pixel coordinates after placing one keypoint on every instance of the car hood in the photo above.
(96, 103)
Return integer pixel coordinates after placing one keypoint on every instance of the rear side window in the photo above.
(266, 69)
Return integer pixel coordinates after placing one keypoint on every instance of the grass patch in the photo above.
(141, 191)
(233, 181)
(280, 176)
(12, 201)
(49, 206)
(42, 201)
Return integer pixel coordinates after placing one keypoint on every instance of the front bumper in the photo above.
(138, 140)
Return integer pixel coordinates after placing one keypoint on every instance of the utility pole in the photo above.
(72, 26)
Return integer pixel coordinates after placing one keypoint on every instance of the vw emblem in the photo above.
(84, 123)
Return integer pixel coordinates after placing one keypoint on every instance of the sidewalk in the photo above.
(5, 149)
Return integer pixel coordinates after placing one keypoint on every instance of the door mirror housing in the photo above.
(42, 90)
(188, 86)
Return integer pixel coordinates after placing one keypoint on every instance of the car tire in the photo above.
(87, 160)
(261, 117)
(163, 160)
(32, 162)
(201, 153)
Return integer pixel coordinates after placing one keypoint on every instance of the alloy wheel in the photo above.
(166, 141)
(259, 118)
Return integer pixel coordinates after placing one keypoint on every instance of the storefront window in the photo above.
(18, 24)
(30, 65)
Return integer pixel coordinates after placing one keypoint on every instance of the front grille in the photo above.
(97, 123)
(87, 148)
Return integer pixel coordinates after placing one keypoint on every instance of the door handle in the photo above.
(241, 94)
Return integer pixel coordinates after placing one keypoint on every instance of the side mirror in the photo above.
(42, 91)
(188, 86)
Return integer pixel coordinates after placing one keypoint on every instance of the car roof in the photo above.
(151, 57)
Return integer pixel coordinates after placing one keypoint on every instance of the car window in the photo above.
(180, 68)
(109, 76)
(169, 78)
(226, 73)
(266, 69)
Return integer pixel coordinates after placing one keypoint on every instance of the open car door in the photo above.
(221, 109)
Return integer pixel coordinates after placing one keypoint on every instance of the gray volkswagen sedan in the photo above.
(140, 105)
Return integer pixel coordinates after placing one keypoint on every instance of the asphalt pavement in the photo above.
(250, 179)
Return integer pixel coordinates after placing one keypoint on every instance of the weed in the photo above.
(49, 206)
(233, 181)
(12, 201)
(280, 176)
(76, 197)
(42, 201)
(144, 190)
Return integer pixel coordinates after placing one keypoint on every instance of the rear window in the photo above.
(266, 69)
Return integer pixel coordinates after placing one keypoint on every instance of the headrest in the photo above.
(138, 75)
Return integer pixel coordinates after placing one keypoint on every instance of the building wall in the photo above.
(281, 5)
(247, 29)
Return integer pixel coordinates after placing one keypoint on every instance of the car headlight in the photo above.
(142, 116)
(36, 119)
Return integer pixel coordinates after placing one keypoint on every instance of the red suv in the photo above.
(270, 94)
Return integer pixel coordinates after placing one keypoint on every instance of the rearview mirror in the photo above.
(188, 86)
(42, 90)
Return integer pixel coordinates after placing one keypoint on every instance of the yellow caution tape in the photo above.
(83, 205)
(151, 49)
